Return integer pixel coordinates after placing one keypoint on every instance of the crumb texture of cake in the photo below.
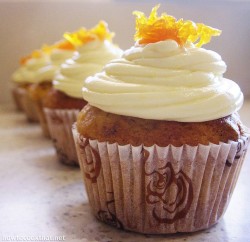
(38, 90)
(58, 100)
(94, 123)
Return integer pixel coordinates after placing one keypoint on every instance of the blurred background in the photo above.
(26, 25)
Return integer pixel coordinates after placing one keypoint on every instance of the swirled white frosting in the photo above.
(41, 69)
(164, 81)
(57, 57)
(28, 72)
(87, 60)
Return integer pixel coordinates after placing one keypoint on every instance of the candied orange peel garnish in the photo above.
(84, 36)
(47, 49)
(36, 54)
(72, 40)
(154, 29)
(64, 45)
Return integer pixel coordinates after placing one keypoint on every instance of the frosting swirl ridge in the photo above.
(164, 81)
(33, 70)
(42, 68)
(87, 60)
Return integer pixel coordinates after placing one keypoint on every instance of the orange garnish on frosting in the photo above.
(84, 36)
(35, 54)
(154, 29)
(72, 40)
(47, 49)
(64, 45)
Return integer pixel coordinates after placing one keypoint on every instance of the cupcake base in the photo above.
(29, 108)
(37, 93)
(60, 123)
(41, 117)
(17, 94)
(159, 190)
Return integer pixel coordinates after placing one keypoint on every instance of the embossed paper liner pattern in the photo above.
(60, 123)
(159, 190)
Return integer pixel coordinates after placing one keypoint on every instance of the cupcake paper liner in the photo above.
(41, 117)
(29, 108)
(60, 123)
(159, 190)
(17, 94)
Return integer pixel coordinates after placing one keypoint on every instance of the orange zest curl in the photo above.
(64, 45)
(84, 36)
(154, 29)
(72, 40)
(47, 49)
(35, 54)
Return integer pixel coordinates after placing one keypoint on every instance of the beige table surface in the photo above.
(41, 197)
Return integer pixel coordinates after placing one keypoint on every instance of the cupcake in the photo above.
(18, 91)
(94, 48)
(20, 81)
(160, 143)
(57, 53)
(28, 73)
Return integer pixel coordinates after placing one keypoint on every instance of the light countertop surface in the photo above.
(41, 197)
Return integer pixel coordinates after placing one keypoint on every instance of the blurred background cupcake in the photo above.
(94, 48)
(160, 143)
(58, 53)
(31, 71)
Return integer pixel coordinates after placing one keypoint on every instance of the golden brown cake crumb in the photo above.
(18, 92)
(94, 123)
(58, 100)
(38, 90)
(23, 85)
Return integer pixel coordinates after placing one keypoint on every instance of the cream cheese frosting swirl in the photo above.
(57, 57)
(87, 60)
(164, 81)
(32, 71)
(43, 68)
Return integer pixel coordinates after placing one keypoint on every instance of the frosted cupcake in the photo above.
(19, 85)
(160, 143)
(94, 48)
(29, 72)
(43, 77)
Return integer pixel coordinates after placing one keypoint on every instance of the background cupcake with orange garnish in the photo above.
(20, 82)
(94, 48)
(57, 53)
(160, 143)
(30, 72)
